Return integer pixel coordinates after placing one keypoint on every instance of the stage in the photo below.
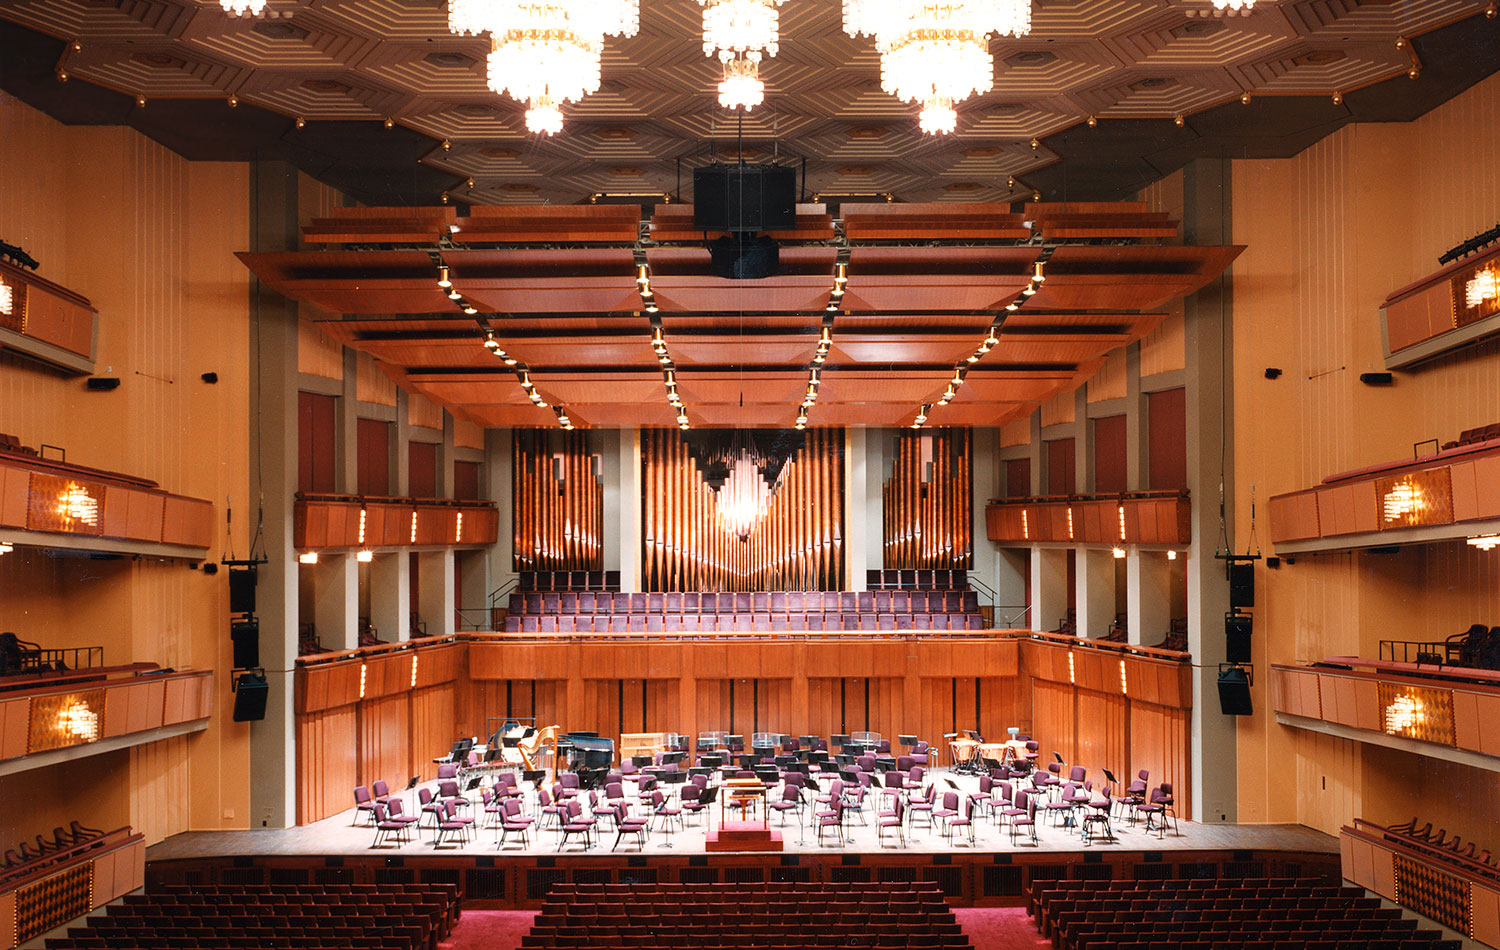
(993, 870)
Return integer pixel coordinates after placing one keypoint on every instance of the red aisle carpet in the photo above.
(1000, 928)
(991, 928)
(489, 930)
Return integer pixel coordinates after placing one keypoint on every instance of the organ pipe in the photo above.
(559, 502)
(927, 504)
(796, 545)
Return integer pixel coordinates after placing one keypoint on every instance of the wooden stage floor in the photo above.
(339, 836)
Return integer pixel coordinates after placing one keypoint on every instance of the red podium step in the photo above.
(743, 836)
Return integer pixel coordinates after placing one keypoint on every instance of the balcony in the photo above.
(1153, 517)
(354, 523)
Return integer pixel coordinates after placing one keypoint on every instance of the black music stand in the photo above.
(839, 741)
(411, 783)
(907, 741)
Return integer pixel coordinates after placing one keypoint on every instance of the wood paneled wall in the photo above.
(797, 545)
(1096, 711)
(559, 503)
(928, 510)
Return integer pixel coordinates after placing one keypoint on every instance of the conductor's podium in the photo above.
(744, 796)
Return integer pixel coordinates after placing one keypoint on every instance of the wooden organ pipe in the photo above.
(927, 504)
(797, 544)
(559, 502)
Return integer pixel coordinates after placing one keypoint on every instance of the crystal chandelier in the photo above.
(936, 53)
(242, 7)
(544, 53)
(1233, 4)
(740, 33)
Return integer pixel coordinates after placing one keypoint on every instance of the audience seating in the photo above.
(1465, 856)
(1210, 914)
(1475, 436)
(529, 581)
(297, 917)
(889, 579)
(772, 916)
(27, 858)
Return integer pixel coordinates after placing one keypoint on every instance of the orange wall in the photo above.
(149, 238)
(1331, 232)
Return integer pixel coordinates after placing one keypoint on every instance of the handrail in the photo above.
(373, 650)
(466, 613)
(1377, 667)
(395, 500)
(55, 861)
(504, 590)
(657, 636)
(32, 684)
(1396, 842)
(1106, 646)
(1010, 622)
(1093, 496)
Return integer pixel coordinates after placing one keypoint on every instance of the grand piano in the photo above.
(587, 754)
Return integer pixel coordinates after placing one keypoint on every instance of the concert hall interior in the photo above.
(953, 518)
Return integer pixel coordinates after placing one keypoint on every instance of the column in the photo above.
(435, 591)
(495, 485)
(1049, 587)
(390, 596)
(1148, 591)
(346, 431)
(627, 521)
(878, 460)
(984, 471)
(1095, 591)
(856, 528)
(1206, 191)
(273, 478)
(336, 600)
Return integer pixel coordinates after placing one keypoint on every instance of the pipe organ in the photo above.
(927, 504)
(559, 502)
(689, 545)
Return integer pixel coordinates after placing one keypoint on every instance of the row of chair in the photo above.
(877, 578)
(228, 917)
(528, 581)
(746, 602)
(1109, 914)
(1440, 845)
(27, 857)
(738, 623)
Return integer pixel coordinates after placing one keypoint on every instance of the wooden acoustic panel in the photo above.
(1138, 518)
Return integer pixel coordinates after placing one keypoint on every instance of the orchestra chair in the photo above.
(396, 812)
(452, 824)
(947, 811)
(380, 790)
(363, 804)
(573, 823)
(430, 806)
(1097, 816)
(922, 805)
(982, 798)
(791, 800)
(893, 817)
(962, 820)
(386, 828)
(1026, 821)
(513, 822)
(550, 808)
(666, 813)
(832, 817)
(625, 824)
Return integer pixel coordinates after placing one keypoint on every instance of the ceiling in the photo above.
(345, 66)
(558, 287)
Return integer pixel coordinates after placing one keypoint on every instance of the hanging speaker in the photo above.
(1234, 692)
(250, 693)
(1237, 629)
(242, 591)
(1241, 585)
(245, 634)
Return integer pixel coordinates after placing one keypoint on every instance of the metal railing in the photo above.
(60, 661)
(1420, 652)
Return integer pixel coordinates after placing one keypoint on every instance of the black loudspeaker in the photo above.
(103, 383)
(1234, 692)
(1376, 379)
(250, 694)
(744, 198)
(1241, 585)
(751, 259)
(246, 637)
(1237, 638)
(242, 591)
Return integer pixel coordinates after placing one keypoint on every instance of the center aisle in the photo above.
(998, 928)
(489, 930)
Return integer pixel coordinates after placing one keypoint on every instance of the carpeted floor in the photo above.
(1000, 928)
(991, 928)
(489, 930)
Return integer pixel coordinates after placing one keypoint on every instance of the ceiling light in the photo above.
(740, 33)
(454, 295)
(1038, 276)
(470, 310)
(443, 280)
(1013, 306)
(1233, 4)
(992, 339)
(938, 117)
(651, 306)
(1171, 555)
(510, 361)
(972, 358)
(242, 7)
(1030, 289)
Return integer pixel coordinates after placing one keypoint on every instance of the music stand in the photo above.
(840, 740)
(473, 784)
(907, 741)
(411, 783)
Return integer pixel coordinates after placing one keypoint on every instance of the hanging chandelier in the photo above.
(744, 497)
(1233, 4)
(242, 7)
(936, 53)
(739, 33)
(544, 53)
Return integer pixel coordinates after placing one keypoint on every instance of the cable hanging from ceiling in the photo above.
(544, 53)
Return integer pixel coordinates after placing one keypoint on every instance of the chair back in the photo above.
(448, 770)
(424, 796)
(380, 815)
(381, 789)
(614, 790)
(396, 808)
(986, 784)
(1077, 774)
(361, 795)
(950, 801)
(568, 779)
(918, 773)
(448, 789)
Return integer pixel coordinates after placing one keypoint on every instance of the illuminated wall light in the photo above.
(1484, 542)
(458, 528)
(1071, 677)
(1124, 686)
(1122, 522)
(1025, 526)
(77, 505)
(1403, 499)
(1117, 552)
(7, 299)
(363, 514)
(362, 670)
(1171, 555)
(1482, 288)
(414, 658)
(414, 527)
(1404, 715)
(1070, 522)
(365, 557)
(311, 557)
(78, 722)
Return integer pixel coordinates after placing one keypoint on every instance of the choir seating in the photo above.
(529, 581)
(65, 845)
(772, 916)
(300, 917)
(1212, 914)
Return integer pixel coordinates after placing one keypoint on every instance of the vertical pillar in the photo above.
(401, 447)
(609, 478)
(336, 601)
(346, 430)
(445, 456)
(497, 477)
(390, 596)
(273, 479)
(1210, 465)
(1137, 460)
(984, 472)
(628, 519)
(856, 528)
(1095, 591)
(873, 512)
(1148, 592)
(1049, 587)
(435, 590)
